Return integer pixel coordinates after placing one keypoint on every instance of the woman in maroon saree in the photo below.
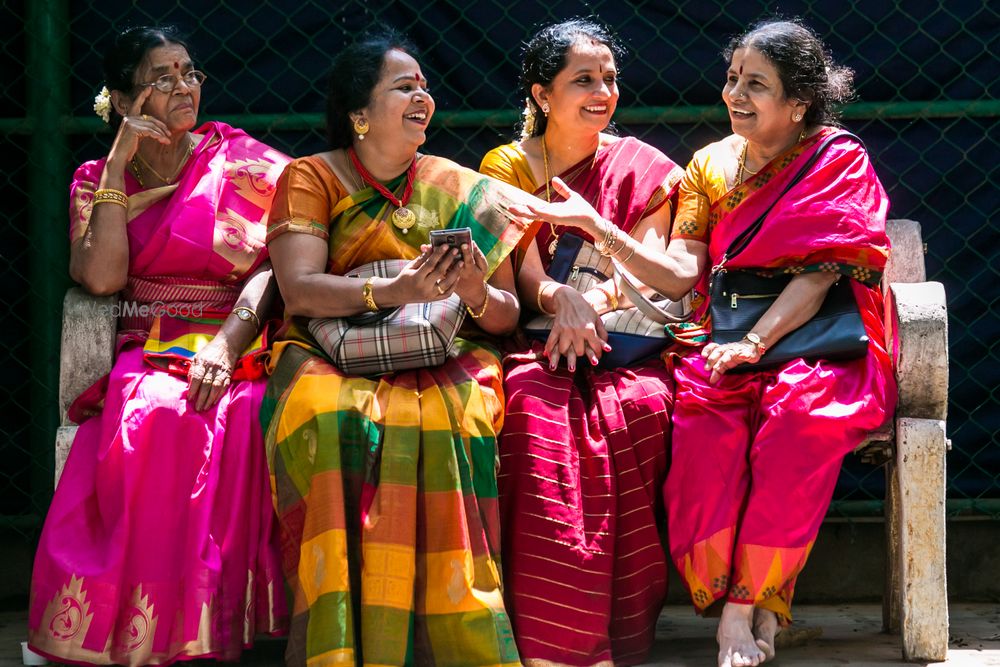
(583, 450)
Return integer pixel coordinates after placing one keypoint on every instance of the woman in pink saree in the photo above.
(584, 449)
(755, 455)
(158, 545)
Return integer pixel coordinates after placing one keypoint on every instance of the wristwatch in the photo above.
(247, 315)
(755, 340)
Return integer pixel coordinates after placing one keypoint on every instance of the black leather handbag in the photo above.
(738, 299)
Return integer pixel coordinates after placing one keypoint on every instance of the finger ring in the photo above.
(145, 117)
(438, 285)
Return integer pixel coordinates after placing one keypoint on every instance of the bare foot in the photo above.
(737, 646)
(765, 626)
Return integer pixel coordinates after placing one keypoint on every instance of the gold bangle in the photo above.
(538, 299)
(366, 294)
(109, 196)
(625, 259)
(611, 237)
(247, 314)
(482, 311)
(611, 298)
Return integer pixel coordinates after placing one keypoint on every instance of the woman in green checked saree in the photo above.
(386, 486)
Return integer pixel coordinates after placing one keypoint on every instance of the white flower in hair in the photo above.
(528, 127)
(102, 104)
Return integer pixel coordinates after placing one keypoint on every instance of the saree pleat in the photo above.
(385, 487)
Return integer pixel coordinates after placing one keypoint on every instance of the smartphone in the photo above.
(451, 237)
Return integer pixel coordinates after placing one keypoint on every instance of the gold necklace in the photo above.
(548, 197)
(741, 167)
(163, 179)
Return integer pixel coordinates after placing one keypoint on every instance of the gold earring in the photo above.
(361, 128)
(545, 108)
(797, 117)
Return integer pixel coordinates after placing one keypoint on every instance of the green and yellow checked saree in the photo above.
(386, 487)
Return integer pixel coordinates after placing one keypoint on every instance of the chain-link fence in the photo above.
(927, 109)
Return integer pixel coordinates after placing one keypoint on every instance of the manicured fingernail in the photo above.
(552, 367)
(607, 348)
(571, 367)
(593, 361)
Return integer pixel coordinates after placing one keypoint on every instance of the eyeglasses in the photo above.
(167, 82)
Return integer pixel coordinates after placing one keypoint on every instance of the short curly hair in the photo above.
(804, 65)
(353, 75)
(545, 56)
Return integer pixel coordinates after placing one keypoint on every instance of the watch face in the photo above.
(753, 338)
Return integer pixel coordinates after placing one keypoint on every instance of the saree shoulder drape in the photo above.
(583, 455)
(755, 457)
(158, 544)
(386, 486)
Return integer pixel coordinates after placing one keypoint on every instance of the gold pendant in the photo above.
(403, 218)
(552, 246)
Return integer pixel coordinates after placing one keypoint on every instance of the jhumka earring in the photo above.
(797, 117)
(545, 108)
(361, 128)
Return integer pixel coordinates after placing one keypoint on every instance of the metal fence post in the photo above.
(48, 108)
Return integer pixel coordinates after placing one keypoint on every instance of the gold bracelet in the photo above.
(482, 311)
(109, 196)
(625, 259)
(538, 299)
(611, 298)
(366, 294)
(247, 314)
(607, 247)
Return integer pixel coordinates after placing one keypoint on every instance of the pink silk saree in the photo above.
(756, 456)
(158, 544)
(582, 457)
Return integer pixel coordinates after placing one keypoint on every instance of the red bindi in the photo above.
(417, 77)
(177, 65)
(741, 69)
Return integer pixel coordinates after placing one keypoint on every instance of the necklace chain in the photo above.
(741, 166)
(548, 194)
(402, 218)
(548, 197)
(137, 158)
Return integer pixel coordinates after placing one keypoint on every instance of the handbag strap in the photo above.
(629, 287)
(568, 251)
(740, 243)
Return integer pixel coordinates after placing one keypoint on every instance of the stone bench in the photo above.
(912, 448)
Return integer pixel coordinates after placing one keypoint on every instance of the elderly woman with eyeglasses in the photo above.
(158, 544)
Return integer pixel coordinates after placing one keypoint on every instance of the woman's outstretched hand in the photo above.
(575, 211)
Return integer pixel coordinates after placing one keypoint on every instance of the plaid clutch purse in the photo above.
(416, 335)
